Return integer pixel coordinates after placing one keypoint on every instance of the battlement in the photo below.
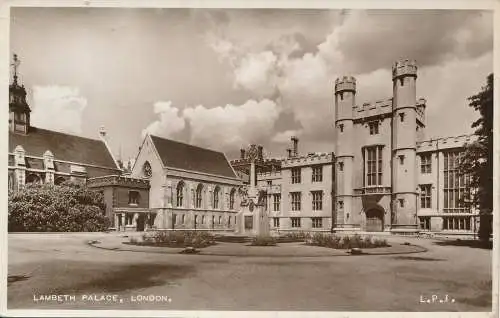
(310, 159)
(346, 83)
(404, 68)
(445, 143)
(269, 175)
(377, 108)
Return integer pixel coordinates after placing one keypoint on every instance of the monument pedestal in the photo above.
(252, 220)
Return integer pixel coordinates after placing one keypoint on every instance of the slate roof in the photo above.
(188, 157)
(63, 147)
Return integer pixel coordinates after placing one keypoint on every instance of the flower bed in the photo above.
(178, 239)
(346, 241)
(263, 241)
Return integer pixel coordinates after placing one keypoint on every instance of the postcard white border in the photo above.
(319, 4)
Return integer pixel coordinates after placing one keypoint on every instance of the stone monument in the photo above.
(252, 218)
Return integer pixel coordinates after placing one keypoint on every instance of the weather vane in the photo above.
(15, 65)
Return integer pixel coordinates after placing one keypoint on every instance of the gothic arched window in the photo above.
(180, 193)
(216, 197)
(231, 199)
(198, 196)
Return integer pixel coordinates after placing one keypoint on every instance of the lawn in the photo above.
(63, 264)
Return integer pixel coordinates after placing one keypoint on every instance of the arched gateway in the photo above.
(374, 220)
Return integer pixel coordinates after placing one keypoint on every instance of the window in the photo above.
(180, 193)
(457, 223)
(317, 200)
(183, 219)
(216, 198)
(202, 219)
(373, 166)
(296, 175)
(213, 221)
(198, 196)
(133, 197)
(425, 163)
(220, 219)
(341, 204)
(401, 203)
(269, 182)
(373, 125)
(231, 199)
(146, 169)
(276, 222)
(341, 166)
(317, 223)
(341, 127)
(317, 174)
(295, 222)
(402, 117)
(401, 159)
(456, 185)
(195, 219)
(276, 201)
(425, 196)
(296, 196)
(425, 223)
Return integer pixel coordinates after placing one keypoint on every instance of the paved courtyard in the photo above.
(64, 264)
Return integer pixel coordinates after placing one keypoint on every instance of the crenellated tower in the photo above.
(404, 126)
(345, 93)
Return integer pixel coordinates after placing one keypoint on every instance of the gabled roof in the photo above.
(179, 155)
(63, 146)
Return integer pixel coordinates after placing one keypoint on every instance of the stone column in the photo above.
(124, 218)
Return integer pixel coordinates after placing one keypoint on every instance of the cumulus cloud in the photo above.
(229, 127)
(58, 108)
(223, 127)
(169, 122)
(361, 43)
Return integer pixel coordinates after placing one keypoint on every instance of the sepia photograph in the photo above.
(204, 160)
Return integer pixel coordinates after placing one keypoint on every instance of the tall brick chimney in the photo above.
(260, 155)
(295, 142)
(289, 152)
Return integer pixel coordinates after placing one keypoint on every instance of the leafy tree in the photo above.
(478, 159)
(56, 208)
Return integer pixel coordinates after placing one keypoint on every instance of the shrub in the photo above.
(263, 241)
(178, 239)
(345, 242)
(56, 208)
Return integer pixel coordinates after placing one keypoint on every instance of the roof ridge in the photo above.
(187, 144)
(63, 133)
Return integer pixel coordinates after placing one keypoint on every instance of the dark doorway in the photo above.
(140, 222)
(374, 220)
(248, 222)
(119, 225)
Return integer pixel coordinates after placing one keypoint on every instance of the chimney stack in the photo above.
(102, 132)
(295, 142)
(289, 151)
(242, 153)
(260, 155)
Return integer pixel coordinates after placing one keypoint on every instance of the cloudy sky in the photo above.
(226, 78)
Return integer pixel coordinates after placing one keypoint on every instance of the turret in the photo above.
(404, 138)
(345, 92)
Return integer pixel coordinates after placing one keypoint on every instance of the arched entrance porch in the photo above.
(374, 220)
